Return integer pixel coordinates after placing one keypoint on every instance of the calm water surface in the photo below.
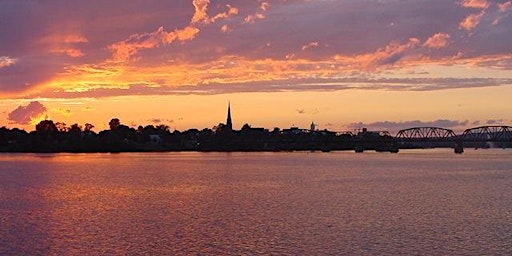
(427, 202)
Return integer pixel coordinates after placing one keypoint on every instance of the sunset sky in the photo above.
(344, 64)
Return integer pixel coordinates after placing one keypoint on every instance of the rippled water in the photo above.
(429, 202)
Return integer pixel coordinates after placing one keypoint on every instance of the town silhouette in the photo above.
(50, 137)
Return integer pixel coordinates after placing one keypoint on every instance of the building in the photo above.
(229, 124)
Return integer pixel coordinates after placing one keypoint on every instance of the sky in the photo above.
(343, 64)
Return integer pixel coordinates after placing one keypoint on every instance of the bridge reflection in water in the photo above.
(433, 137)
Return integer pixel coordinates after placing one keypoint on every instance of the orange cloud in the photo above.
(259, 15)
(252, 18)
(201, 12)
(389, 55)
(471, 21)
(477, 4)
(123, 50)
(201, 8)
(437, 41)
(230, 12)
(6, 61)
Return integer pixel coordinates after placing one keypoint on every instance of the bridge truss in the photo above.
(425, 134)
(488, 133)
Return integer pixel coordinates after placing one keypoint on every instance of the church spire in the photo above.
(228, 120)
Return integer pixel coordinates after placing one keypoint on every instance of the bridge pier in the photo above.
(459, 148)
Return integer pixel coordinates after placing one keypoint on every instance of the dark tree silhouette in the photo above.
(114, 123)
(46, 126)
(75, 129)
(61, 127)
(88, 127)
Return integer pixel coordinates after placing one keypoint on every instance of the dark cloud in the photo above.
(291, 85)
(394, 127)
(160, 120)
(24, 114)
(494, 122)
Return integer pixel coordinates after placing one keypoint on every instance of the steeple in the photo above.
(229, 125)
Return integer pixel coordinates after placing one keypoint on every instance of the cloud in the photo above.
(206, 48)
(227, 85)
(123, 50)
(494, 122)
(503, 7)
(24, 115)
(253, 17)
(225, 28)
(471, 21)
(160, 120)
(200, 14)
(259, 15)
(74, 38)
(388, 55)
(396, 126)
(477, 4)
(71, 52)
(310, 45)
(264, 6)
(437, 41)
(6, 61)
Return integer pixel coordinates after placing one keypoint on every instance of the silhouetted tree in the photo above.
(46, 127)
(75, 129)
(162, 127)
(61, 127)
(88, 127)
(114, 123)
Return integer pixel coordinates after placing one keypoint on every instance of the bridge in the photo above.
(431, 137)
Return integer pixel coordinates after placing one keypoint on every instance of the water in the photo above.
(425, 202)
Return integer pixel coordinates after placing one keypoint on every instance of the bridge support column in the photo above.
(459, 148)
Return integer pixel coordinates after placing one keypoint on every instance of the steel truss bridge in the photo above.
(479, 137)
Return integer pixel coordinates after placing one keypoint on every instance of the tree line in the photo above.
(58, 137)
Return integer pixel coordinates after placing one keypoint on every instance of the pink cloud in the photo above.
(74, 53)
(6, 61)
(505, 6)
(471, 21)
(437, 41)
(225, 29)
(71, 39)
(264, 6)
(25, 114)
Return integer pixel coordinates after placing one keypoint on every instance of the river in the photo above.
(416, 202)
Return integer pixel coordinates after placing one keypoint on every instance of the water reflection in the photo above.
(414, 202)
